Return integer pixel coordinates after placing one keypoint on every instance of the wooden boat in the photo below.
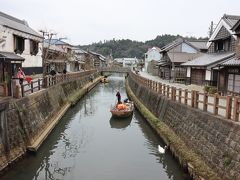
(123, 112)
(104, 80)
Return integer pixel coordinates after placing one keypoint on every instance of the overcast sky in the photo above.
(87, 21)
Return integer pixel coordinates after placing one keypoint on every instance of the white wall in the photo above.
(152, 54)
(8, 46)
(208, 75)
(188, 72)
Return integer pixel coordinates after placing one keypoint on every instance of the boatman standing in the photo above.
(118, 97)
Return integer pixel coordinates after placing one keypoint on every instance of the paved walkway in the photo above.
(222, 102)
(177, 85)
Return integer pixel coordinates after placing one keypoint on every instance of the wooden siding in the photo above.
(238, 47)
(222, 34)
(197, 76)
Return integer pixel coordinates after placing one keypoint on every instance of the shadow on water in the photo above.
(169, 163)
(120, 123)
(41, 161)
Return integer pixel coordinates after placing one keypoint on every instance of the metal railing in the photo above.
(52, 80)
(35, 85)
(48, 81)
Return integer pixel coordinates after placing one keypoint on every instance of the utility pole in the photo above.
(210, 32)
(48, 36)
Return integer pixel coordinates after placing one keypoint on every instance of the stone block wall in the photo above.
(215, 139)
(22, 121)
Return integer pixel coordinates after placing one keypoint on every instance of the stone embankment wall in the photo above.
(205, 138)
(23, 121)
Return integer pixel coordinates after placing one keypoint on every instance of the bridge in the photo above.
(116, 69)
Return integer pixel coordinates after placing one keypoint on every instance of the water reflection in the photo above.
(120, 123)
(83, 146)
(152, 141)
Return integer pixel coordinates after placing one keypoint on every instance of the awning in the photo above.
(10, 56)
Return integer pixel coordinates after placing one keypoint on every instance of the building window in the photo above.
(219, 46)
(33, 47)
(234, 83)
(222, 45)
(19, 45)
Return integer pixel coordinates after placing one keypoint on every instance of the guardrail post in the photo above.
(205, 101)
(193, 98)
(22, 90)
(167, 91)
(186, 97)
(164, 89)
(179, 95)
(160, 88)
(39, 84)
(236, 108)
(228, 107)
(173, 93)
(196, 99)
(215, 104)
(31, 87)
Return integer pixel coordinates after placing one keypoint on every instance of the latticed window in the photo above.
(19, 44)
(33, 47)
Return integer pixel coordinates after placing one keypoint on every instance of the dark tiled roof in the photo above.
(97, 54)
(209, 59)
(173, 44)
(196, 44)
(199, 44)
(16, 24)
(231, 20)
(236, 26)
(79, 51)
(53, 47)
(181, 57)
(232, 62)
(56, 42)
(154, 48)
(10, 56)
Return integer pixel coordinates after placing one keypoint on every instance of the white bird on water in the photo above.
(161, 150)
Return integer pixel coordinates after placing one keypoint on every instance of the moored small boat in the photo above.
(123, 112)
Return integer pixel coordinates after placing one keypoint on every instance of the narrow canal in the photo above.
(88, 144)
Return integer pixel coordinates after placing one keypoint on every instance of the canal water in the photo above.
(89, 144)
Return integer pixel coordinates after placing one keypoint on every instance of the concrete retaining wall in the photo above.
(215, 140)
(23, 121)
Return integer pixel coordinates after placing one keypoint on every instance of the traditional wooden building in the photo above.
(72, 64)
(229, 80)
(152, 56)
(17, 37)
(176, 53)
(205, 70)
(99, 60)
(19, 47)
(81, 56)
(55, 58)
